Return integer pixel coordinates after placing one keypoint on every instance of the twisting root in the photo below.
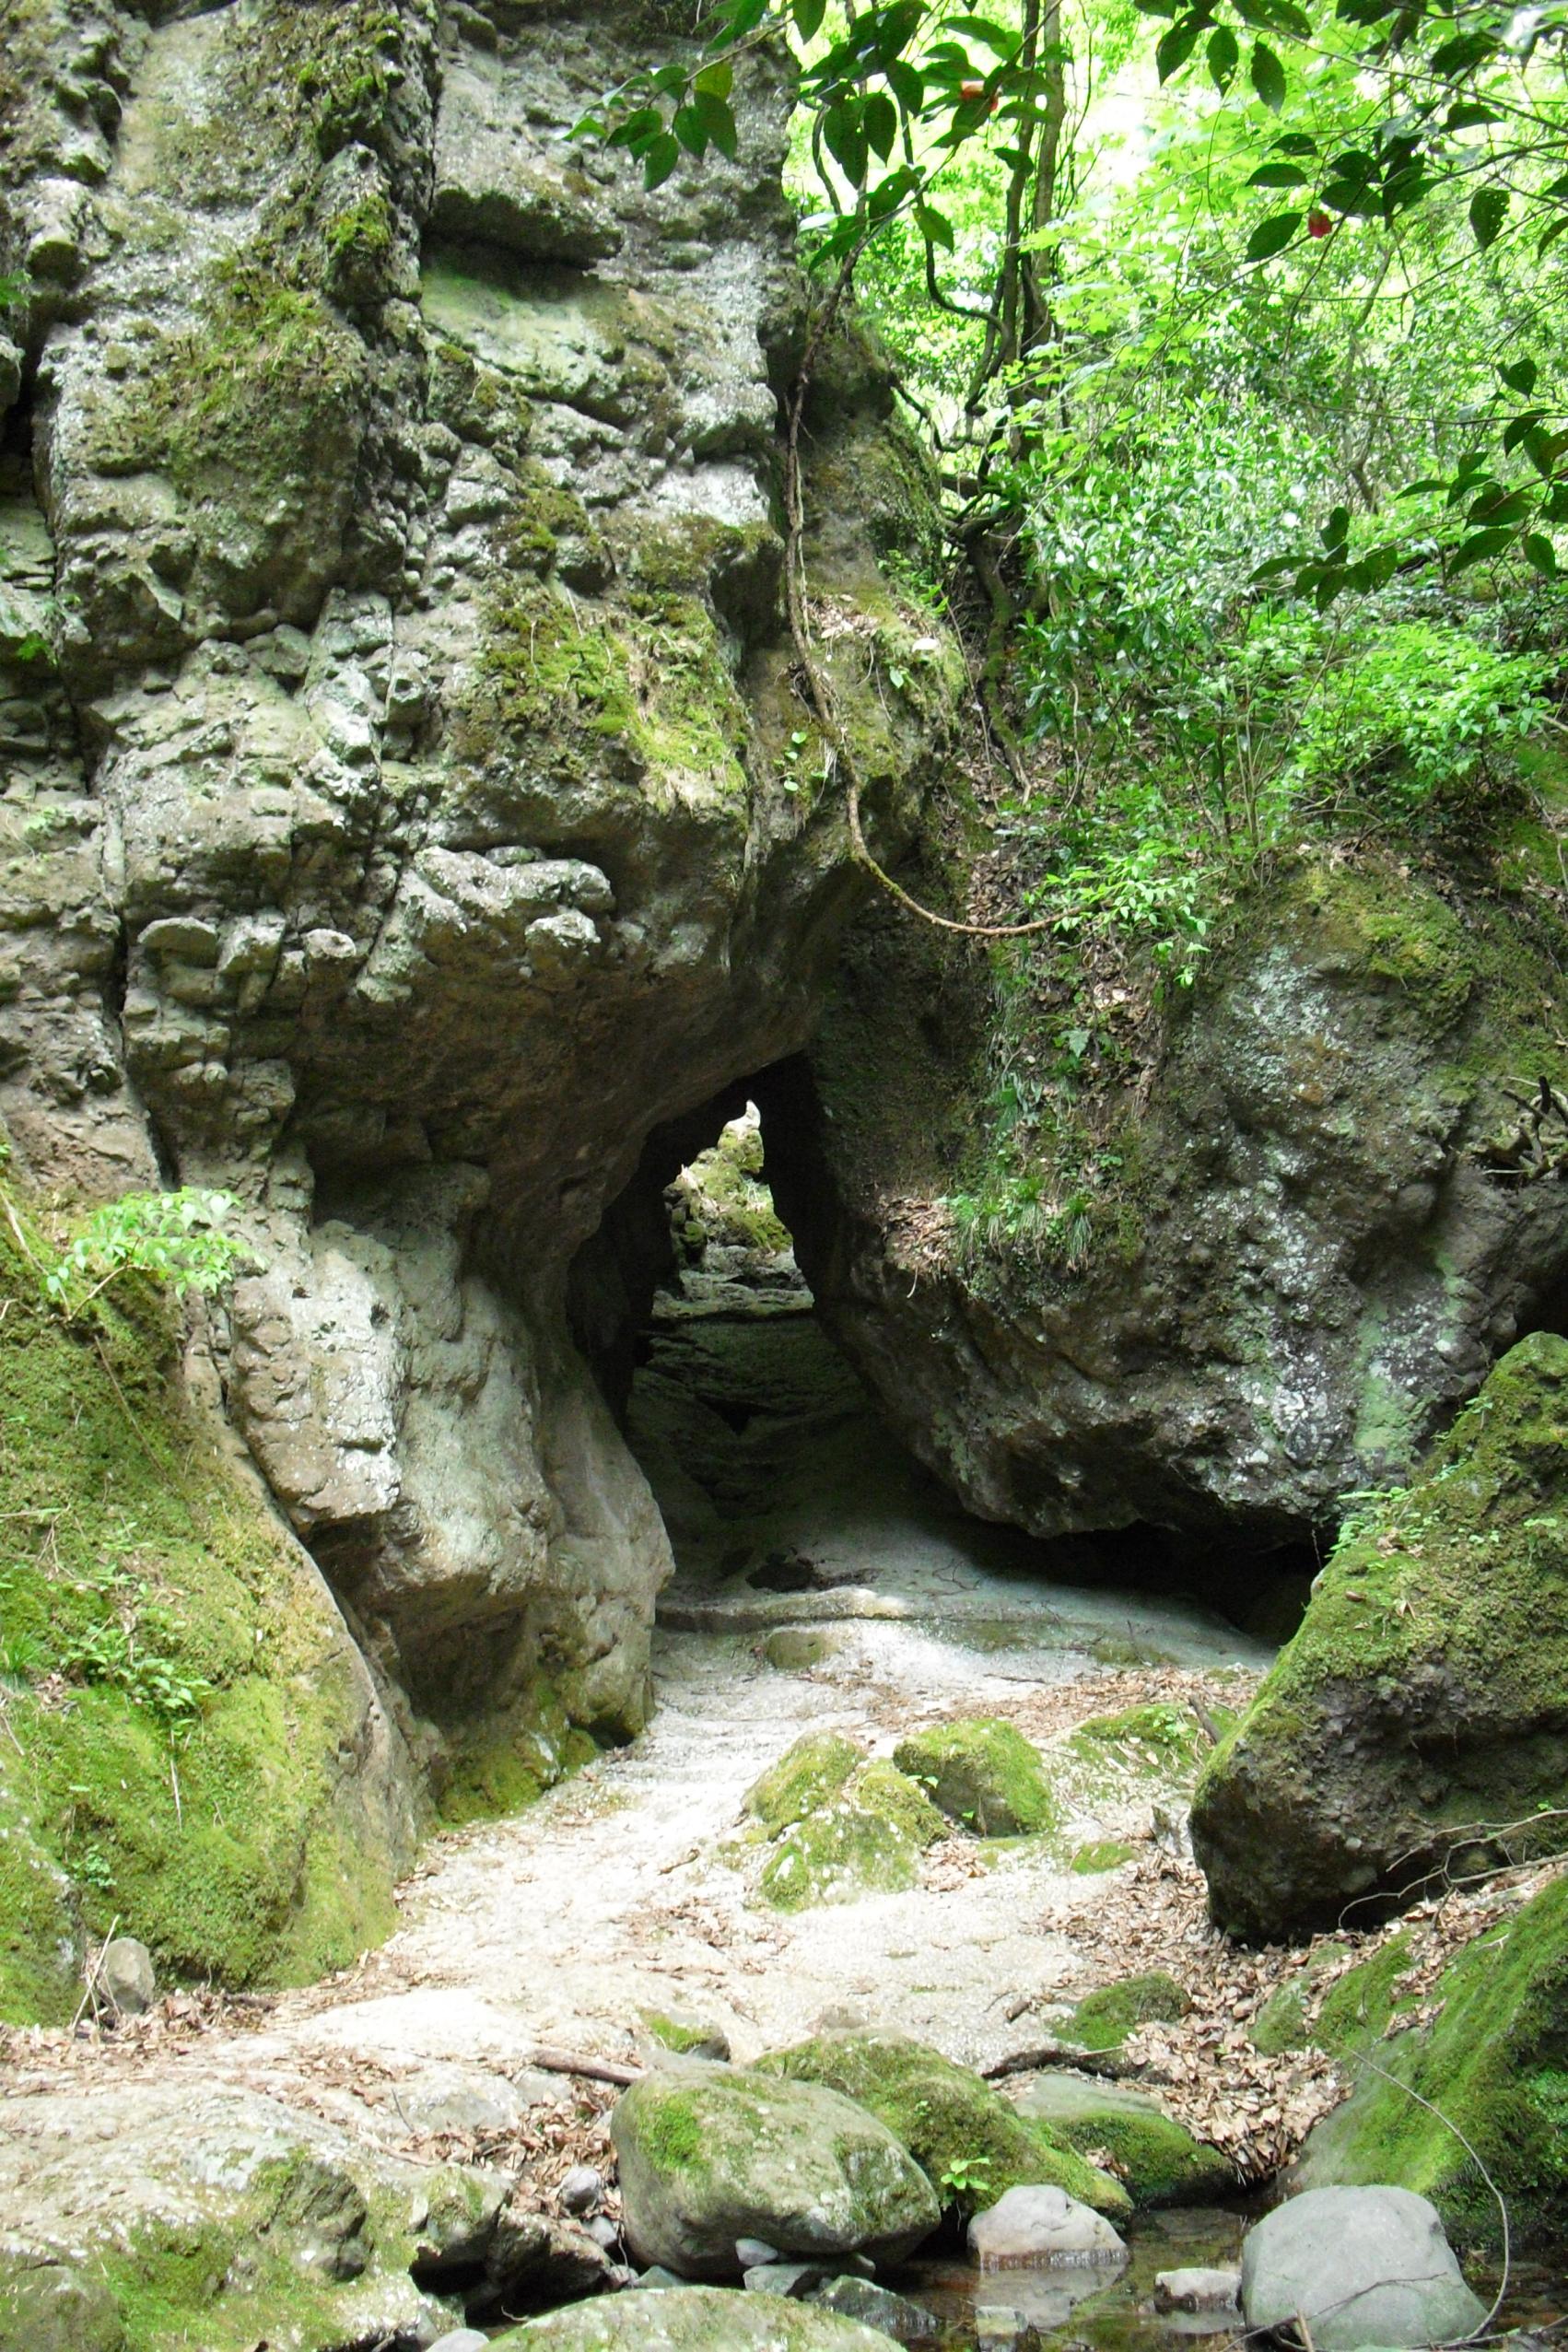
(799, 631)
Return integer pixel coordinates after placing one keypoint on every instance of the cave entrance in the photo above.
(788, 1498)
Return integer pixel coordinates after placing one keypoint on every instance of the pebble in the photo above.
(125, 1971)
(1197, 2290)
(581, 2189)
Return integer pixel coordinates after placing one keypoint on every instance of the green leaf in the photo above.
(1539, 551)
(994, 36)
(1279, 175)
(880, 120)
(808, 16)
(1271, 237)
(716, 80)
(1337, 529)
(1456, 57)
(1225, 54)
(1520, 376)
(719, 123)
(1294, 143)
(908, 84)
(691, 130)
(1478, 547)
(1549, 236)
(1489, 209)
(1176, 46)
(660, 158)
(934, 226)
(1267, 76)
(845, 135)
(636, 127)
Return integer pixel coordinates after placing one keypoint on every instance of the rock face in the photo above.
(1426, 1694)
(393, 700)
(1215, 1301)
(1361, 2267)
(709, 2154)
(153, 2209)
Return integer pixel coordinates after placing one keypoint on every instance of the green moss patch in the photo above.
(1425, 1694)
(983, 1774)
(1495, 2065)
(182, 1699)
(866, 1840)
(1104, 2020)
(1157, 2158)
(807, 1775)
(969, 2142)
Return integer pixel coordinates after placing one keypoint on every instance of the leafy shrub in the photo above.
(177, 1237)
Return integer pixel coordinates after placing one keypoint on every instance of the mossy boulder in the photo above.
(193, 1747)
(866, 1840)
(710, 2154)
(214, 2217)
(1425, 1695)
(695, 2319)
(807, 1775)
(1158, 2160)
(1104, 2018)
(983, 1774)
(1493, 2066)
(971, 2143)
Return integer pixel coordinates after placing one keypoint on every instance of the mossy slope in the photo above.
(1425, 1696)
(189, 1735)
(1495, 2065)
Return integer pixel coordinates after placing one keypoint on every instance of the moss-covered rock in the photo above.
(1494, 2066)
(1283, 2021)
(1104, 2018)
(1425, 1696)
(1157, 2158)
(983, 1774)
(696, 2319)
(708, 2154)
(807, 1776)
(970, 2143)
(197, 2216)
(866, 1840)
(193, 1746)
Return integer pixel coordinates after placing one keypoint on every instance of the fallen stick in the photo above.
(569, 2062)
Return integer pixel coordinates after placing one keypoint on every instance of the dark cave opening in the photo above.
(773, 1465)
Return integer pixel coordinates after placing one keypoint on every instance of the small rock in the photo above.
(1197, 2290)
(874, 2306)
(461, 2339)
(1361, 2267)
(657, 2279)
(1042, 2226)
(603, 2231)
(125, 1973)
(791, 2279)
(750, 2252)
(581, 2189)
(842, 2016)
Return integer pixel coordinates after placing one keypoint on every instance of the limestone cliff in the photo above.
(404, 802)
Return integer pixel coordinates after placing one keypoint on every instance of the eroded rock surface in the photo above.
(394, 698)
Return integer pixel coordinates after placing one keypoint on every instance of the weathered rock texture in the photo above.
(1232, 1282)
(397, 820)
(1417, 1725)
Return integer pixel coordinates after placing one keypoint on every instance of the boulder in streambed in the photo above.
(1157, 2158)
(694, 2319)
(1360, 2266)
(710, 2154)
(983, 1774)
(840, 1825)
(877, 2307)
(970, 2142)
(1041, 2228)
(1425, 1694)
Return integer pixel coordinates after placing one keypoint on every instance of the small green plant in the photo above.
(965, 2176)
(177, 1237)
